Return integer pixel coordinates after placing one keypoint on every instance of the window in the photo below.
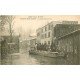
(49, 27)
(38, 34)
(52, 25)
(45, 35)
(49, 34)
(42, 30)
(45, 28)
(42, 36)
(48, 42)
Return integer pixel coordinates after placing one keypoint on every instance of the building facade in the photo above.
(63, 29)
(68, 39)
(70, 45)
(45, 34)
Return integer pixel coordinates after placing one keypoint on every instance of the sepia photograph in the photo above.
(39, 40)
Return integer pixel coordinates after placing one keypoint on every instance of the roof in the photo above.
(57, 22)
(60, 25)
(76, 31)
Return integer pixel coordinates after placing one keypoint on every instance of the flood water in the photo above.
(24, 58)
(48, 60)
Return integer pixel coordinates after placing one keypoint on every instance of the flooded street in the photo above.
(48, 60)
(21, 58)
(51, 42)
(24, 58)
(44, 60)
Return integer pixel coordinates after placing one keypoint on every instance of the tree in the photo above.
(7, 19)
(2, 22)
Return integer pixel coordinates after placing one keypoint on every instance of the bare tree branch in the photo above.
(2, 22)
(9, 20)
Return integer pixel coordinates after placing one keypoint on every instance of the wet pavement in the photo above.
(49, 60)
(23, 58)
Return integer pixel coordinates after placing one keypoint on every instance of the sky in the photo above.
(26, 25)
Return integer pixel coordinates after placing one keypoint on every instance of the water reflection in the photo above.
(32, 59)
(49, 60)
